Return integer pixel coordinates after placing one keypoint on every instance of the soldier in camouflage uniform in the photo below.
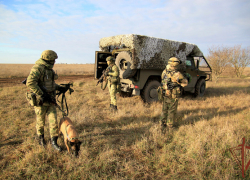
(172, 81)
(42, 76)
(112, 72)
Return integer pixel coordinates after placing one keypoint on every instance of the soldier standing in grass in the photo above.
(172, 81)
(112, 72)
(42, 76)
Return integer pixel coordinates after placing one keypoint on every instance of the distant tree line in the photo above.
(221, 57)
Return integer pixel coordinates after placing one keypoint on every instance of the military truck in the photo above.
(141, 60)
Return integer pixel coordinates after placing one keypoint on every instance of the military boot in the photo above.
(42, 140)
(113, 108)
(163, 127)
(170, 128)
(54, 143)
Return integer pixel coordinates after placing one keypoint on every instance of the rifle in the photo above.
(62, 90)
(170, 84)
(102, 78)
(65, 87)
(51, 100)
(104, 75)
(24, 81)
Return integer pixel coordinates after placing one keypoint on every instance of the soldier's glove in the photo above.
(178, 80)
(39, 100)
(106, 73)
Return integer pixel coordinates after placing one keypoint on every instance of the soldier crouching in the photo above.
(172, 81)
(42, 77)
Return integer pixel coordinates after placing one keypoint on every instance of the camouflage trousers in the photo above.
(169, 109)
(112, 92)
(41, 111)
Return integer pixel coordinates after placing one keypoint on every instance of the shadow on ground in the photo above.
(207, 114)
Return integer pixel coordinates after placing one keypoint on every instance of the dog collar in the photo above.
(70, 139)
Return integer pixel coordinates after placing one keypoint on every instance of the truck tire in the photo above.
(200, 88)
(125, 64)
(149, 93)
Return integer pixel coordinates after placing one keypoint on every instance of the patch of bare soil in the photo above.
(8, 82)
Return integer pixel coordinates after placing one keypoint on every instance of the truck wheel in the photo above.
(149, 93)
(200, 88)
(125, 64)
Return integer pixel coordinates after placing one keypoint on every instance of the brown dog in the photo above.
(70, 135)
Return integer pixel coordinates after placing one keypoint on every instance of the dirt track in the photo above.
(8, 82)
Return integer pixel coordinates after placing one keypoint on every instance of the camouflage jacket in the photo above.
(174, 76)
(113, 73)
(176, 79)
(42, 75)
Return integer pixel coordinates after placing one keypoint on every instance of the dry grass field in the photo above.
(128, 144)
(22, 70)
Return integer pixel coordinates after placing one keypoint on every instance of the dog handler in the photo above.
(42, 77)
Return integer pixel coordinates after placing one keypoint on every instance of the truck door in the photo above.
(100, 62)
(192, 70)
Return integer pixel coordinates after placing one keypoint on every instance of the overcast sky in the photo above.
(73, 28)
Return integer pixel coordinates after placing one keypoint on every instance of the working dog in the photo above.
(70, 135)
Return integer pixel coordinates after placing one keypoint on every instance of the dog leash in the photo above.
(63, 101)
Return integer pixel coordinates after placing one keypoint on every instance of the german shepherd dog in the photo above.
(70, 135)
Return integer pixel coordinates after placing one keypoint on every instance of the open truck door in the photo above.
(100, 62)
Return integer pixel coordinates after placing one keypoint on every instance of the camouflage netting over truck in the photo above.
(150, 52)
